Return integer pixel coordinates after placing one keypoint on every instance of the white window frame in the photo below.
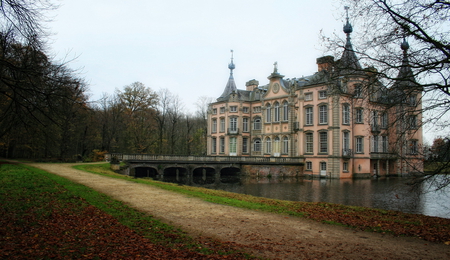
(233, 146)
(268, 113)
(257, 123)
(323, 114)
(346, 114)
(359, 119)
(268, 145)
(233, 108)
(323, 142)
(257, 145)
(309, 116)
(308, 166)
(359, 144)
(214, 126)
(308, 96)
(222, 125)
(244, 144)
(245, 124)
(285, 149)
(322, 94)
(285, 111)
(222, 145)
(276, 112)
(309, 142)
(214, 145)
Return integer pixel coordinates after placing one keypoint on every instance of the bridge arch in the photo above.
(230, 174)
(145, 172)
(203, 175)
(176, 174)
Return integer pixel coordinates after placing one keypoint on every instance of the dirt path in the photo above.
(262, 234)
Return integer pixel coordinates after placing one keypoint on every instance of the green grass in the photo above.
(30, 195)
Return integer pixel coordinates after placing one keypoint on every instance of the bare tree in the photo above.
(421, 29)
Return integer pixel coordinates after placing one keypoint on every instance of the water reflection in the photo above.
(387, 193)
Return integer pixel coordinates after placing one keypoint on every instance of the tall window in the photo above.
(384, 144)
(346, 114)
(285, 145)
(359, 116)
(268, 145)
(222, 125)
(358, 91)
(412, 100)
(375, 144)
(346, 141)
(285, 111)
(214, 126)
(323, 142)
(323, 114)
(244, 145)
(233, 146)
(222, 145)
(257, 124)
(384, 120)
(412, 122)
(308, 116)
(277, 112)
(309, 143)
(414, 147)
(268, 113)
(309, 166)
(359, 145)
(233, 124)
(257, 145)
(214, 145)
(245, 124)
(374, 119)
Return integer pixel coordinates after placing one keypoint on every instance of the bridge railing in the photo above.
(149, 157)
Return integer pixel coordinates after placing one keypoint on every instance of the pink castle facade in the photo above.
(340, 122)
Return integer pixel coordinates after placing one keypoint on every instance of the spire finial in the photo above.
(231, 65)
(347, 27)
(275, 67)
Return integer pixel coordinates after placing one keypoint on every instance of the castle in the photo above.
(341, 122)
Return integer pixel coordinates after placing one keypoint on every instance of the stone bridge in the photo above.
(206, 169)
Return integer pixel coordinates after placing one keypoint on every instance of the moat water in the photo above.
(383, 193)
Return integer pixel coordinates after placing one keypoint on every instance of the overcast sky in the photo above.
(184, 46)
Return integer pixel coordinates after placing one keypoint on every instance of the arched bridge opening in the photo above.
(203, 175)
(230, 174)
(145, 172)
(176, 174)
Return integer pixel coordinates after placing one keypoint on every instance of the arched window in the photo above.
(268, 145)
(276, 146)
(268, 113)
(285, 111)
(285, 145)
(277, 112)
(257, 145)
(257, 123)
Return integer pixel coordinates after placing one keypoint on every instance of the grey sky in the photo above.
(185, 45)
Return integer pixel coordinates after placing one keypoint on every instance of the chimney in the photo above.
(325, 63)
(251, 85)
